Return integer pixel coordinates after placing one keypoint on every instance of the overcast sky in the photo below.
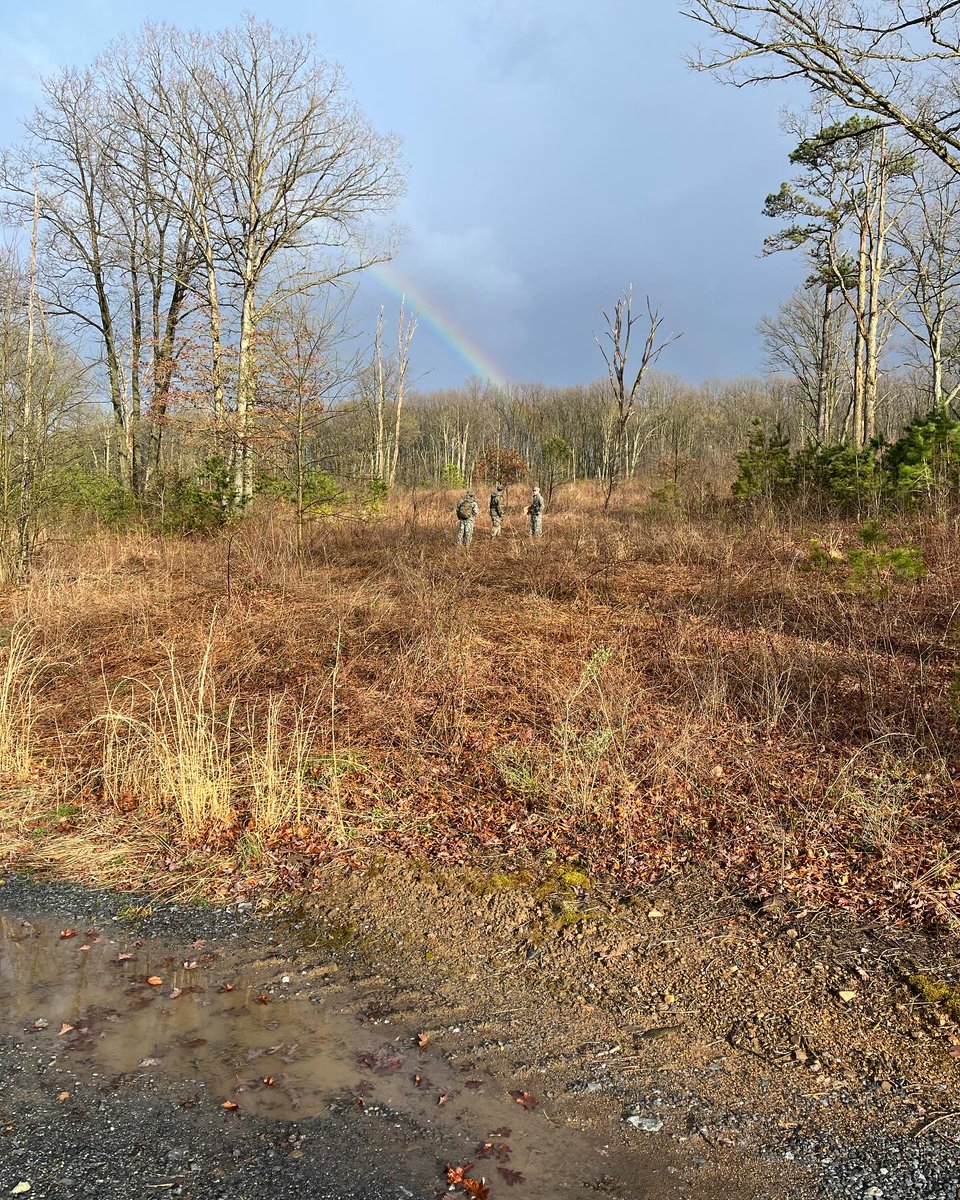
(557, 152)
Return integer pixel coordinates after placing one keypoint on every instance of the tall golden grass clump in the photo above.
(21, 672)
(177, 759)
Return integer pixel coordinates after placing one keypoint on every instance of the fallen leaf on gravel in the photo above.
(20, 1189)
(654, 914)
(149, 1062)
(510, 1177)
(847, 996)
(66, 1028)
(423, 1040)
(269, 1081)
(263, 999)
(124, 956)
(175, 992)
(83, 947)
(443, 1098)
(67, 933)
(155, 981)
(230, 1105)
(225, 987)
(63, 1096)
(191, 965)
(525, 1100)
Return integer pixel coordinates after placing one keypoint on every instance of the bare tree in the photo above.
(308, 376)
(927, 234)
(231, 171)
(298, 171)
(894, 59)
(625, 383)
(813, 348)
(390, 377)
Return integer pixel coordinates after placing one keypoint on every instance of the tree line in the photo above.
(175, 332)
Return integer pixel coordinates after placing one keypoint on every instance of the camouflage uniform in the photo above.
(496, 511)
(466, 524)
(535, 512)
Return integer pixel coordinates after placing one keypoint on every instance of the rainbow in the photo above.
(462, 344)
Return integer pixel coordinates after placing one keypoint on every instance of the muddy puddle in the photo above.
(245, 1037)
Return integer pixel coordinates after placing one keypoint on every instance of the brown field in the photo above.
(639, 694)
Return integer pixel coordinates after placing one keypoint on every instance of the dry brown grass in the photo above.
(638, 690)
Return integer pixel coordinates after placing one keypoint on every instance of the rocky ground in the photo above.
(704, 1048)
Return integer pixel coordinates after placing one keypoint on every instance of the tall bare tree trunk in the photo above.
(246, 389)
(859, 344)
(405, 331)
(28, 447)
(824, 380)
(877, 249)
(380, 400)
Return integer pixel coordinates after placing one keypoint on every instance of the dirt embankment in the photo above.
(792, 1051)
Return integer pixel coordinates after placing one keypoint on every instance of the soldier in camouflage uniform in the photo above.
(467, 511)
(535, 512)
(496, 510)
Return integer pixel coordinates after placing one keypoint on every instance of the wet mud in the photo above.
(225, 1029)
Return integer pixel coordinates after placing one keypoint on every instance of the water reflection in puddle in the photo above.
(262, 1043)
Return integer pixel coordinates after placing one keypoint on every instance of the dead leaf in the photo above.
(124, 956)
(383, 1062)
(269, 1081)
(525, 1100)
(154, 981)
(846, 997)
(423, 1040)
(63, 1096)
(175, 992)
(443, 1098)
(67, 933)
(65, 1028)
(149, 1062)
(263, 999)
(473, 1187)
(510, 1176)
(225, 987)
(230, 1105)
(83, 947)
